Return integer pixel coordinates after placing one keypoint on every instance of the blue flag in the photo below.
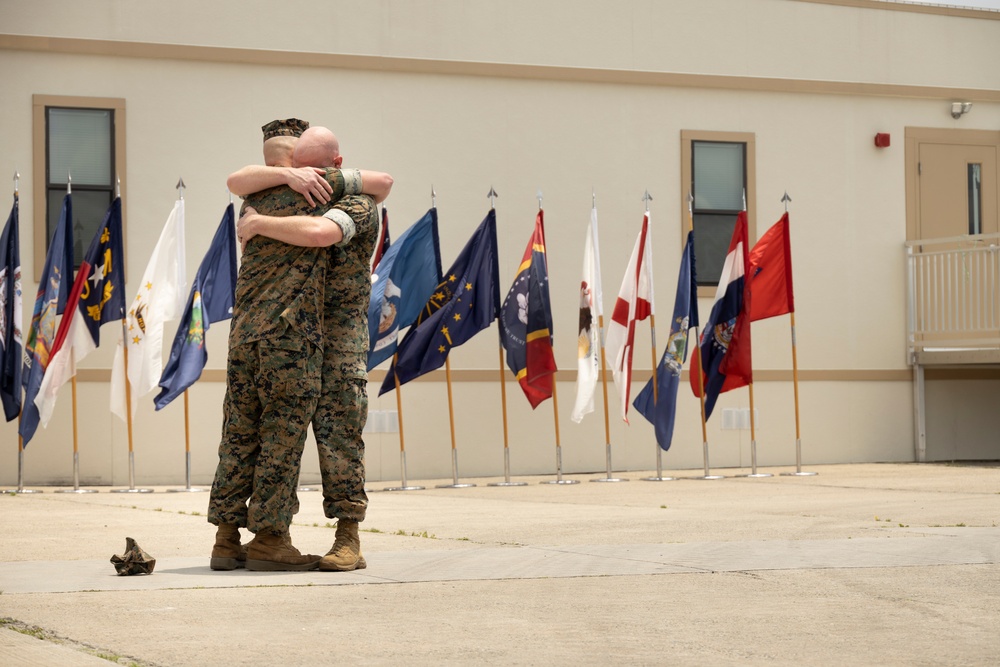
(406, 276)
(465, 302)
(211, 300)
(53, 292)
(10, 316)
(661, 408)
(526, 321)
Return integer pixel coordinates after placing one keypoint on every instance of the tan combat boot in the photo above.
(270, 552)
(228, 553)
(345, 554)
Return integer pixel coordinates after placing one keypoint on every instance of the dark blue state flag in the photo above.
(11, 344)
(53, 292)
(465, 302)
(211, 300)
(526, 321)
(660, 407)
(404, 279)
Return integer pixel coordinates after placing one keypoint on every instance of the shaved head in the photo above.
(317, 147)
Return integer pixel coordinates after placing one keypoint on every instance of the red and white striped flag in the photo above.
(634, 304)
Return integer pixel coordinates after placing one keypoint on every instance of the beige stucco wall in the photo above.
(564, 131)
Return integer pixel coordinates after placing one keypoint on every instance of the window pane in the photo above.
(88, 214)
(718, 176)
(80, 144)
(712, 234)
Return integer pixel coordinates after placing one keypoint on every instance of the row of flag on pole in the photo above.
(34, 367)
(438, 310)
(444, 310)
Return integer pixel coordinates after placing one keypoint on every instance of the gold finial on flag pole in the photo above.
(118, 186)
(434, 197)
(646, 197)
(17, 177)
(69, 183)
(539, 196)
(492, 194)
(785, 199)
(180, 188)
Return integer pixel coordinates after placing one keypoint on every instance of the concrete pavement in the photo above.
(889, 564)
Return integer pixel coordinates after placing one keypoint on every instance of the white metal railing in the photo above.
(953, 293)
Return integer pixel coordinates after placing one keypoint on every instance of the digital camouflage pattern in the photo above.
(343, 405)
(134, 561)
(273, 388)
(281, 285)
(273, 378)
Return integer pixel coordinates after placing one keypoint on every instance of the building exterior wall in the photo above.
(464, 96)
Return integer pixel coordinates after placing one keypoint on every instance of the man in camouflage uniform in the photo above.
(273, 385)
(343, 404)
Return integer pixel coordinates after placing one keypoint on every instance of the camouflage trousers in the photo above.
(339, 421)
(272, 391)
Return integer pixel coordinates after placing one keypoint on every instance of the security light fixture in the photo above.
(958, 109)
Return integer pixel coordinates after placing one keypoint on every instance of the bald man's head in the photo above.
(317, 147)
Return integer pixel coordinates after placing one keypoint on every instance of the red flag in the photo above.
(382, 245)
(770, 277)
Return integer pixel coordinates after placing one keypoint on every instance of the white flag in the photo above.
(635, 303)
(591, 311)
(162, 297)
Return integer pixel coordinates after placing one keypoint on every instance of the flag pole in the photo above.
(555, 412)
(492, 195)
(795, 385)
(701, 375)
(506, 449)
(128, 416)
(604, 382)
(402, 447)
(187, 439)
(646, 197)
(128, 397)
(76, 449)
(753, 443)
(451, 406)
(451, 419)
(20, 440)
(753, 433)
(187, 452)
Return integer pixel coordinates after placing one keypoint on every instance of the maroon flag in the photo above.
(383, 240)
(770, 276)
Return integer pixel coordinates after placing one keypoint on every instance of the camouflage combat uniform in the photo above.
(343, 405)
(273, 378)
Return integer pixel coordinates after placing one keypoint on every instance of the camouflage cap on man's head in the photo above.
(290, 127)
